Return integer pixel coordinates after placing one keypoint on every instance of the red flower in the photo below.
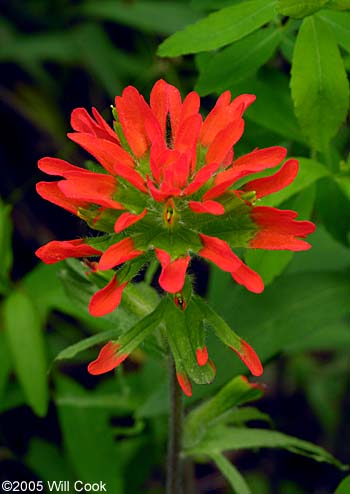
(167, 184)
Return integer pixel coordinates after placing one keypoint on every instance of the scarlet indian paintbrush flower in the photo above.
(165, 184)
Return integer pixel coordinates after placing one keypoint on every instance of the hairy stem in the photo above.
(174, 464)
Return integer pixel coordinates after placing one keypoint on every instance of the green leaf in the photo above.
(333, 208)
(6, 363)
(88, 439)
(26, 342)
(319, 84)
(339, 4)
(299, 8)
(237, 62)
(344, 486)
(339, 22)
(213, 4)
(73, 350)
(220, 28)
(5, 246)
(46, 460)
(199, 420)
(154, 17)
(231, 473)
(239, 416)
(222, 438)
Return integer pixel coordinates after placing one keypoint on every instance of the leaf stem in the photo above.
(174, 463)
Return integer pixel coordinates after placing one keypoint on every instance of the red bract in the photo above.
(165, 184)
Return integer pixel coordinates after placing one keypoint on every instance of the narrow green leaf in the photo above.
(344, 486)
(5, 366)
(220, 28)
(319, 84)
(239, 416)
(299, 8)
(237, 62)
(222, 438)
(5, 246)
(339, 22)
(154, 17)
(26, 342)
(199, 420)
(231, 473)
(73, 350)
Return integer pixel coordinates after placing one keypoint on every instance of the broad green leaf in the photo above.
(5, 246)
(299, 8)
(199, 420)
(213, 4)
(222, 438)
(231, 473)
(338, 4)
(237, 62)
(310, 171)
(220, 28)
(273, 108)
(333, 208)
(26, 342)
(46, 460)
(155, 17)
(184, 330)
(319, 84)
(239, 416)
(339, 22)
(344, 486)
(271, 263)
(88, 439)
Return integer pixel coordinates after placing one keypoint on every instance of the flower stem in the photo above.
(174, 464)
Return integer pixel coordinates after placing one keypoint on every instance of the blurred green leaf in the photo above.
(220, 28)
(339, 22)
(5, 363)
(239, 416)
(344, 486)
(299, 8)
(5, 246)
(46, 460)
(339, 4)
(333, 208)
(319, 82)
(213, 4)
(222, 438)
(231, 473)
(88, 439)
(199, 420)
(155, 17)
(26, 342)
(237, 62)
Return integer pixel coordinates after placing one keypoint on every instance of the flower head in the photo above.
(168, 184)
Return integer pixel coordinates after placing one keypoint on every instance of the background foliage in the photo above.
(57, 422)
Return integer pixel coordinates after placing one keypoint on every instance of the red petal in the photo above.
(127, 219)
(249, 358)
(202, 356)
(81, 121)
(51, 192)
(106, 300)
(190, 106)
(118, 253)
(165, 99)
(202, 176)
(187, 134)
(133, 112)
(248, 278)
(172, 277)
(185, 383)
(242, 102)
(176, 172)
(58, 167)
(224, 141)
(56, 251)
(219, 252)
(158, 195)
(224, 99)
(95, 188)
(107, 360)
(278, 181)
(209, 207)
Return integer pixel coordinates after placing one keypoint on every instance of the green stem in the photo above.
(174, 464)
